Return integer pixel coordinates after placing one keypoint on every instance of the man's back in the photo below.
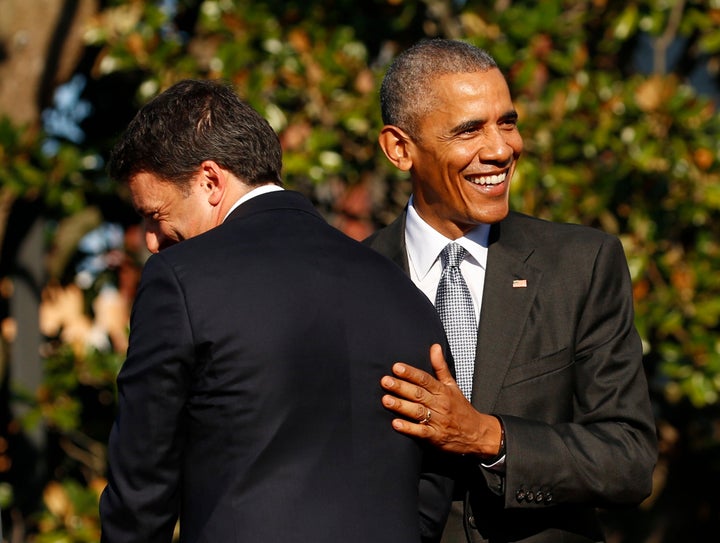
(275, 382)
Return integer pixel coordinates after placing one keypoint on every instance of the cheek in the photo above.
(169, 231)
(516, 143)
(195, 223)
(459, 159)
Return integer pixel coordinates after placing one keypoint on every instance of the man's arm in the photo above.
(141, 501)
(606, 454)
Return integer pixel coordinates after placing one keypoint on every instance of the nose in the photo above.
(151, 241)
(154, 237)
(496, 147)
(157, 238)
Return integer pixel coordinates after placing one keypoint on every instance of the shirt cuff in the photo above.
(497, 466)
(497, 463)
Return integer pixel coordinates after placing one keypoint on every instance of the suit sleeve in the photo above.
(141, 501)
(605, 455)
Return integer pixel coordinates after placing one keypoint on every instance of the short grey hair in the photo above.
(405, 95)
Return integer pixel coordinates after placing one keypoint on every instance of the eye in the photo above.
(150, 216)
(469, 128)
(508, 123)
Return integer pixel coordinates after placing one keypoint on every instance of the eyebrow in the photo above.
(511, 115)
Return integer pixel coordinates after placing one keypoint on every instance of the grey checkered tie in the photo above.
(455, 307)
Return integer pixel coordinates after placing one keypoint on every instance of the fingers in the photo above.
(418, 418)
(440, 365)
(410, 410)
(415, 394)
(408, 428)
(417, 385)
(413, 375)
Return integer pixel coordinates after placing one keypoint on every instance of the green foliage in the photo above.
(634, 152)
(58, 402)
(70, 513)
(59, 182)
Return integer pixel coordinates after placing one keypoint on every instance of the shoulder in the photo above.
(543, 233)
(392, 234)
(390, 241)
(558, 246)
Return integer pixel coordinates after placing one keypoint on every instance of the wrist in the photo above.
(501, 447)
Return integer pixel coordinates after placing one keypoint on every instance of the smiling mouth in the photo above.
(487, 180)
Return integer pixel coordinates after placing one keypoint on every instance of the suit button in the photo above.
(548, 497)
(539, 496)
(530, 496)
(520, 495)
(471, 521)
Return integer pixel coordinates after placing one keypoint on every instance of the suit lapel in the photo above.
(510, 288)
(506, 303)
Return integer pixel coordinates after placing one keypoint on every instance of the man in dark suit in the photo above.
(250, 399)
(555, 419)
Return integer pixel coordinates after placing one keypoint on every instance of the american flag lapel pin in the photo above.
(520, 283)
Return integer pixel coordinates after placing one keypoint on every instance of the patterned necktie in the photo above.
(457, 313)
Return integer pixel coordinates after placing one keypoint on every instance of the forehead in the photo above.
(486, 93)
(149, 192)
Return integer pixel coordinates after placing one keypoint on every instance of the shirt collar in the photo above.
(424, 243)
(257, 191)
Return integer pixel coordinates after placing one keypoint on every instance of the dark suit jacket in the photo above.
(250, 403)
(559, 360)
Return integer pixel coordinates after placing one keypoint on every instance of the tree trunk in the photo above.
(41, 42)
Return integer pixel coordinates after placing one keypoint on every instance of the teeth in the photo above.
(488, 179)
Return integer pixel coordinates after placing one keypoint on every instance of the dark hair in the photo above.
(405, 93)
(191, 122)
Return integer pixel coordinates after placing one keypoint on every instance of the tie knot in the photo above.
(452, 255)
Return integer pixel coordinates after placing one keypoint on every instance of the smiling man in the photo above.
(547, 415)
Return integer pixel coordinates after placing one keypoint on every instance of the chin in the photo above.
(493, 216)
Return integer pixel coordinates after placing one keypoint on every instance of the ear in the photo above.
(213, 181)
(395, 143)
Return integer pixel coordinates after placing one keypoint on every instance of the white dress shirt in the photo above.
(424, 245)
(257, 191)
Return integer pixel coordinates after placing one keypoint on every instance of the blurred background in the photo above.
(618, 104)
